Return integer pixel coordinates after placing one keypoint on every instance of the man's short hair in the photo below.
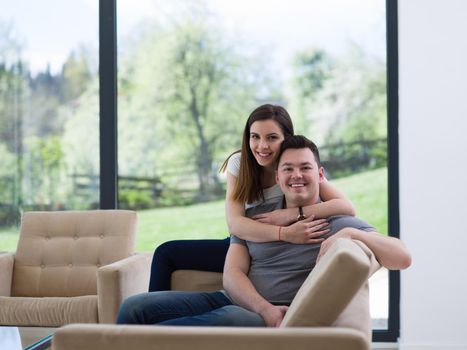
(297, 142)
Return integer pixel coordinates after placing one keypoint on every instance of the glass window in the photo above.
(49, 109)
(191, 72)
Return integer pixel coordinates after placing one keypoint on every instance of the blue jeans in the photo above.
(186, 309)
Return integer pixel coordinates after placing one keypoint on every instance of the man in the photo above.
(261, 279)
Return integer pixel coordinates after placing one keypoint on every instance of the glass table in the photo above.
(25, 338)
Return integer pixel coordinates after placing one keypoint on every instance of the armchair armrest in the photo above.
(119, 280)
(122, 337)
(7, 261)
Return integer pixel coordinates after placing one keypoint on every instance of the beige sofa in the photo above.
(330, 311)
(71, 267)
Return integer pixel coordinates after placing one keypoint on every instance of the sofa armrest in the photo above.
(336, 292)
(329, 287)
(119, 280)
(123, 337)
(7, 261)
(356, 314)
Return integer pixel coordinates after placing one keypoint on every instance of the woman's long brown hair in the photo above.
(249, 186)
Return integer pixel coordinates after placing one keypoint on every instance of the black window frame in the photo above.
(391, 334)
(109, 146)
(108, 132)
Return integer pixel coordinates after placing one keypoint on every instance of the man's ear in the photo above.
(321, 174)
(277, 176)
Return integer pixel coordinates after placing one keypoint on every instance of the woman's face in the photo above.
(266, 137)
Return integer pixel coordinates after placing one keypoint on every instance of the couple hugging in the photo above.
(283, 216)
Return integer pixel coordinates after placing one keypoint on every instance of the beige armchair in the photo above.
(330, 311)
(71, 267)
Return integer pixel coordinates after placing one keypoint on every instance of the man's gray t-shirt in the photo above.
(278, 269)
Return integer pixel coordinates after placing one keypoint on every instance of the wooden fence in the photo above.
(339, 159)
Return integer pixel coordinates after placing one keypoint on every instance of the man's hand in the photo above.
(273, 315)
(344, 233)
(306, 231)
(278, 217)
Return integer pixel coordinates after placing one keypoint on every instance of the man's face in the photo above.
(299, 176)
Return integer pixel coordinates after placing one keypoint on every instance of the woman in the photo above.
(250, 181)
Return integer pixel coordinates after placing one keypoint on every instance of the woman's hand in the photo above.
(278, 217)
(306, 231)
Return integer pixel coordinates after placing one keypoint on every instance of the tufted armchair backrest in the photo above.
(59, 253)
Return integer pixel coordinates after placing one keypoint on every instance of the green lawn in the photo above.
(367, 191)
(8, 239)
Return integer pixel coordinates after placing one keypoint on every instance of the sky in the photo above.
(49, 29)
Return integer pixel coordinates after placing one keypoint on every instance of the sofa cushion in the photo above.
(48, 312)
(330, 287)
(196, 281)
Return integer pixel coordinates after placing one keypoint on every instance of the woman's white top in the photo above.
(272, 194)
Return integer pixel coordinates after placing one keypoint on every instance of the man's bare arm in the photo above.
(242, 291)
(389, 251)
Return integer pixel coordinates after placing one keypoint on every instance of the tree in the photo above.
(199, 69)
(13, 88)
(42, 118)
(76, 75)
(188, 89)
(312, 67)
(34, 110)
(343, 99)
(43, 172)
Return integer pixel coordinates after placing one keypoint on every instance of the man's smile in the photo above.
(296, 185)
